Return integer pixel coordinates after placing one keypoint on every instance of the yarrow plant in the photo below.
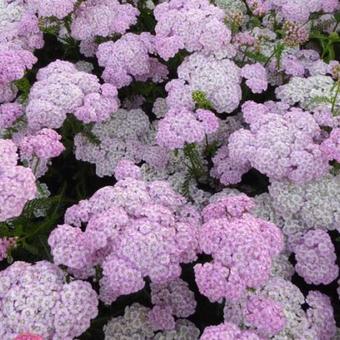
(169, 169)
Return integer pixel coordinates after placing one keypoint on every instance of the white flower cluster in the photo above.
(308, 92)
(314, 205)
(126, 135)
(134, 324)
(297, 324)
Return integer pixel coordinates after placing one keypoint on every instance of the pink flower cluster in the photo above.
(315, 256)
(45, 145)
(242, 248)
(36, 298)
(17, 183)
(331, 146)
(170, 299)
(14, 62)
(9, 113)
(281, 146)
(300, 10)
(62, 89)
(320, 314)
(102, 18)
(181, 126)
(218, 79)
(193, 25)
(128, 58)
(256, 76)
(134, 229)
(53, 8)
(265, 315)
(20, 25)
(227, 330)
(212, 99)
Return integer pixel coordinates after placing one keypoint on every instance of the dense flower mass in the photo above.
(282, 146)
(19, 25)
(14, 62)
(169, 169)
(17, 183)
(62, 89)
(128, 58)
(102, 18)
(128, 134)
(53, 8)
(9, 113)
(138, 228)
(181, 126)
(314, 205)
(230, 232)
(227, 331)
(218, 79)
(315, 257)
(135, 323)
(39, 301)
(192, 25)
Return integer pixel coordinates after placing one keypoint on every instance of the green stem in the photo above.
(192, 154)
(335, 97)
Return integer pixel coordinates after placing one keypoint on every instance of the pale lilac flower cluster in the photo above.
(125, 135)
(37, 149)
(135, 324)
(320, 314)
(278, 309)
(218, 79)
(313, 205)
(331, 146)
(306, 91)
(53, 8)
(194, 25)
(290, 297)
(265, 315)
(170, 299)
(127, 169)
(102, 18)
(14, 62)
(281, 146)
(316, 258)
(256, 77)
(300, 10)
(258, 313)
(9, 113)
(181, 126)
(128, 58)
(227, 330)
(229, 233)
(19, 25)
(7, 92)
(160, 318)
(62, 89)
(134, 229)
(45, 145)
(17, 183)
(226, 169)
(36, 298)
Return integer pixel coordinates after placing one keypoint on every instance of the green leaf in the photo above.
(337, 16)
(201, 100)
(23, 86)
(30, 248)
(256, 56)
